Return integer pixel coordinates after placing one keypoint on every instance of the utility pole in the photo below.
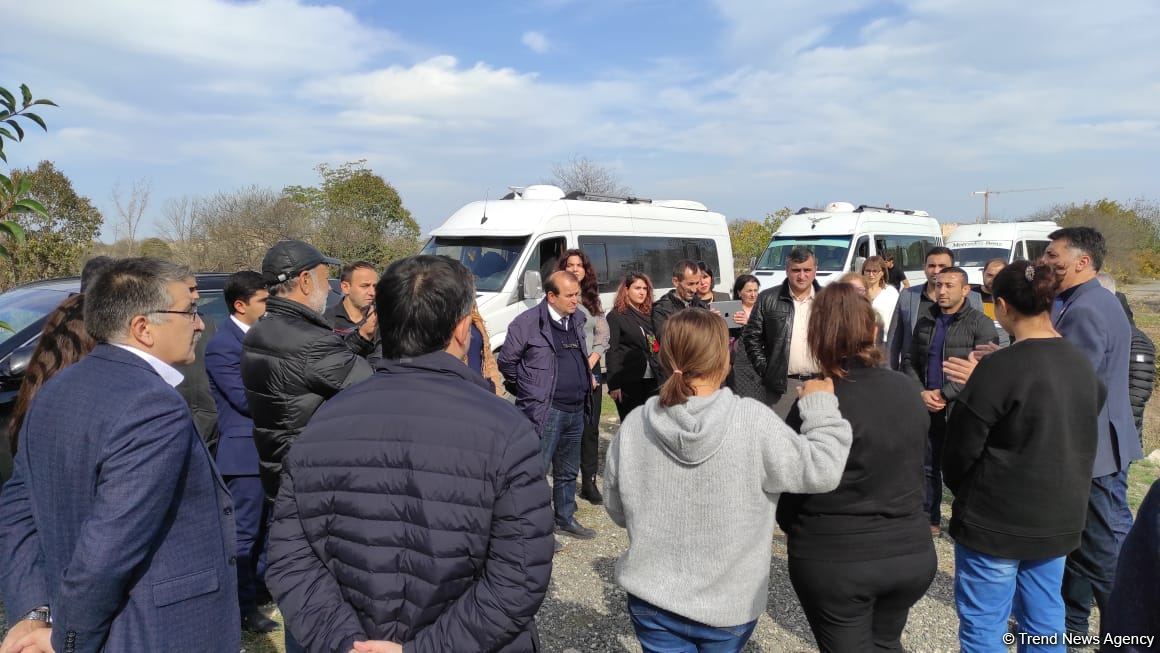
(988, 193)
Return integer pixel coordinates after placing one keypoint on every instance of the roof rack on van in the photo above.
(599, 197)
(805, 209)
(889, 209)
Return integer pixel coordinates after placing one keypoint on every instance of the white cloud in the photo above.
(916, 106)
(536, 42)
(267, 36)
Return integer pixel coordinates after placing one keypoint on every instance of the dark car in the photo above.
(25, 309)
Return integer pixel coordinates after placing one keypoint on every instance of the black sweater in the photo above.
(876, 511)
(1019, 451)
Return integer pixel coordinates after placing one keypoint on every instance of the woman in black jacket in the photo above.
(632, 345)
(861, 555)
(1020, 445)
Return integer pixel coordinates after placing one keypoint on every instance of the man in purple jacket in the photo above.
(544, 357)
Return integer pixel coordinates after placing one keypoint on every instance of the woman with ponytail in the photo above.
(695, 476)
(1020, 446)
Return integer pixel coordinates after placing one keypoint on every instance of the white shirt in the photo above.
(241, 325)
(556, 317)
(884, 305)
(801, 361)
(167, 372)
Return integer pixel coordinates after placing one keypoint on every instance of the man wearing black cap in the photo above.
(292, 360)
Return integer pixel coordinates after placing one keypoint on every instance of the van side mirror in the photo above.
(856, 266)
(533, 288)
(752, 262)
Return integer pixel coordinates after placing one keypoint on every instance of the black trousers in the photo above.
(590, 439)
(633, 396)
(935, 438)
(861, 606)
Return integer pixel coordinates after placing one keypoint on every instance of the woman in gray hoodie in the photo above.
(694, 476)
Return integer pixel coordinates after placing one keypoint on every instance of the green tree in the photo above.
(750, 238)
(1132, 238)
(358, 214)
(154, 247)
(57, 238)
(14, 193)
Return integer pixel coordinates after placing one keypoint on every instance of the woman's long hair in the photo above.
(841, 330)
(63, 341)
(696, 345)
(622, 304)
(590, 286)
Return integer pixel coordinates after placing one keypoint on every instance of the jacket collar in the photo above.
(235, 330)
(438, 362)
(784, 293)
(1076, 293)
(291, 309)
(116, 354)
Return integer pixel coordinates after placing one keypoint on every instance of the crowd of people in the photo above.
(391, 483)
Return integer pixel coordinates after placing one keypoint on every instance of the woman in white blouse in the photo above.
(882, 295)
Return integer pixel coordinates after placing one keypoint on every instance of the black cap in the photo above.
(287, 258)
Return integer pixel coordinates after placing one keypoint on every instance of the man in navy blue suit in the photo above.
(237, 458)
(1091, 318)
(116, 527)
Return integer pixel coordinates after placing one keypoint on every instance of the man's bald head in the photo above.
(562, 292)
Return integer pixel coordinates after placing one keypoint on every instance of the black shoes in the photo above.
(577, 531)
(590, 492)
(253, 621)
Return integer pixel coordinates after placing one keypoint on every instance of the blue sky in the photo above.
(746, 105)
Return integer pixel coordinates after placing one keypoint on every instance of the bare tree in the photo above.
(130, 210)
(587, 176)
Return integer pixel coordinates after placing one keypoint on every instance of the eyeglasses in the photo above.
(875, 271)
(193, 313)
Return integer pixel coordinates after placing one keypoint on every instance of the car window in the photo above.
(21, 307)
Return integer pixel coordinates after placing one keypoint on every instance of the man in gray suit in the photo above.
(116, 528)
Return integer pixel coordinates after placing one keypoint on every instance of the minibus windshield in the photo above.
(490, 259)
(830, 251)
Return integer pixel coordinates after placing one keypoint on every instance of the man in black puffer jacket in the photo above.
(413, 508)
(951, 329)
(291, 359)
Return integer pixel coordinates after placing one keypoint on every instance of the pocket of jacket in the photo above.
(173, 590)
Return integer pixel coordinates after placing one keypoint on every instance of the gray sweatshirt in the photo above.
(696, 486)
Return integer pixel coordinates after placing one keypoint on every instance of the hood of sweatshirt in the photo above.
(691, 432)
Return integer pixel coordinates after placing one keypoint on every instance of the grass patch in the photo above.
(1140, 479)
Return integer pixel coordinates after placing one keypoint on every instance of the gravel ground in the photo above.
(585, 609)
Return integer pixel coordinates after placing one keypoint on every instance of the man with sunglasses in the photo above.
(116, 531)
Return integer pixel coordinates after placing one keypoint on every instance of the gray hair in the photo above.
(128, 288)
(1107, 281)
(290, 285)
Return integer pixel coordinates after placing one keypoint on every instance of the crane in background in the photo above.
(988, 193)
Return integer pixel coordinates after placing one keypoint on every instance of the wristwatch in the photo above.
(39, 614)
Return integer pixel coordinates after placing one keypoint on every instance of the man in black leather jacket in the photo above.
(775, 336)
(292, 360)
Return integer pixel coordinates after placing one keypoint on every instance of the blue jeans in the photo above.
(1091, 569)
(560, 449)
(661, 631)
(989, 589)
